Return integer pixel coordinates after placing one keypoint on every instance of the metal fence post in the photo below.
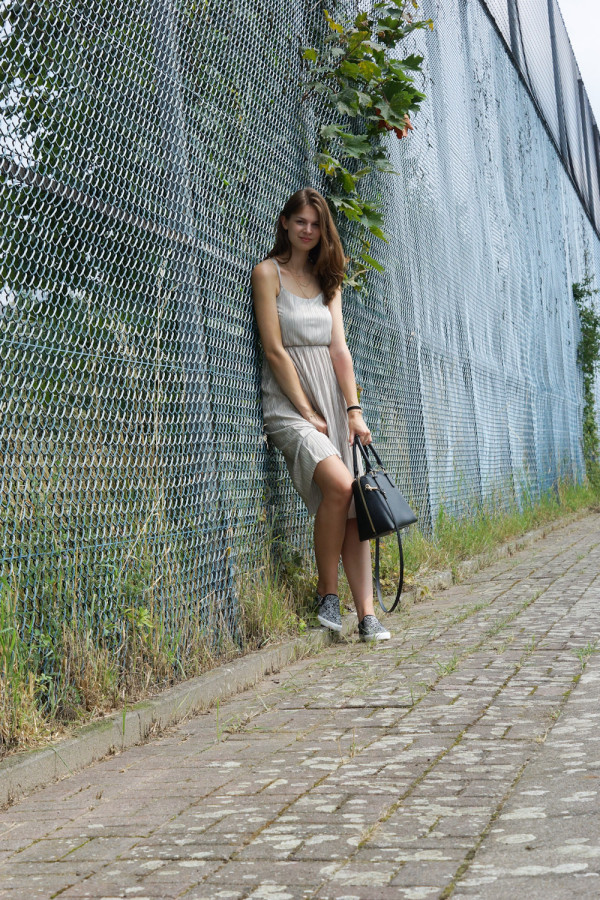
(513, 23)
(560, 106)
(586, 149)
(596, 146)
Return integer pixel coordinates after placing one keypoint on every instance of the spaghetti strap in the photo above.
(272, 258)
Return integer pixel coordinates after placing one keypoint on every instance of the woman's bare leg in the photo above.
(335, 482)
(356, 557)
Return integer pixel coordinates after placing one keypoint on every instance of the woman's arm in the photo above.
(264, 288)
(344, 371)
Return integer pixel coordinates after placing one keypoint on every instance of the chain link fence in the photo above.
(145, 149)
(537, 39)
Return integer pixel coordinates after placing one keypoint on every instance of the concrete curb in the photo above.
(24, 772)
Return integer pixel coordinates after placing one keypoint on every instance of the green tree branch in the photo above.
(360, 80)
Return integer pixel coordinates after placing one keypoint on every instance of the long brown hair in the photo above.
(328, 257)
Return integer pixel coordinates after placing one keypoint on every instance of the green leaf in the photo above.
(385, 110)
(353, 282)
(375, 47)
(328, 163)
(369, 69)
(330, 131)
(352, 211)
(382, 164)
(357, 39)
(346, 102)
(372, 262)
(355, 145)
(376, 230)
(318, 87)
(348, 181)
(310, 53)
(332, 23)
(397, 68)
(350, 69)
(413, 62)
(394, 108)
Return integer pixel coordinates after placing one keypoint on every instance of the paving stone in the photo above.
(360, 892)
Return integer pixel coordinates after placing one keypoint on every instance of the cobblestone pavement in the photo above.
(461, 758)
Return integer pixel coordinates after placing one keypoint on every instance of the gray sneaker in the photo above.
(329, 611)
(370, 629)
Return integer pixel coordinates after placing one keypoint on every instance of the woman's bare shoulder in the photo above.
(265, 281)
(264, 270)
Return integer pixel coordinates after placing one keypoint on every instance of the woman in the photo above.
(310, 404)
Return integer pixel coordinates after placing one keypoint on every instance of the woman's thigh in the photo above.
(333, 477)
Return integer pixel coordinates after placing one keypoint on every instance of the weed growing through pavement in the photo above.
(218, 727)
(584, 653)
(353, 745)
(466, 612)
(503, 621)
(501, 648)
(448, 667)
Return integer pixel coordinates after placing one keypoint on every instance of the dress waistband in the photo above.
(308, 346)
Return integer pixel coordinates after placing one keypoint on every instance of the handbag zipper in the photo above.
(365, 505)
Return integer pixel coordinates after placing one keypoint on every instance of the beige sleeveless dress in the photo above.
(306, 334)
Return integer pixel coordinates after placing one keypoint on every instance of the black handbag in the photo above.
(380, 509)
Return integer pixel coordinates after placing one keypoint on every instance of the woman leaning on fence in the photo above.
(310, 404)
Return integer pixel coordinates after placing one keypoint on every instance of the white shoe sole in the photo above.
(334, 626)
(383, 636)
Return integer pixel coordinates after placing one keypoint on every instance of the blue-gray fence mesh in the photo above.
(145, 149)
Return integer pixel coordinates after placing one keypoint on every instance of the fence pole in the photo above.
(586, 149)
(513, 23)
(596, 146)
(560, 106)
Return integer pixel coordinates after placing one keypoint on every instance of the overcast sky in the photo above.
(582, 18)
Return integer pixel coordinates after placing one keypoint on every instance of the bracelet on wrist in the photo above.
(349, 408)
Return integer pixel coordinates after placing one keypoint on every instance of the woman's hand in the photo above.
(318, 421)
(358, 426)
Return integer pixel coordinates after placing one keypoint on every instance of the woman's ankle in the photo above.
(331, 589)
(364, 609)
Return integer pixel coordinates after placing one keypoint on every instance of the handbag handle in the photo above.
(357, 445)
(364, 453)
(389, 609)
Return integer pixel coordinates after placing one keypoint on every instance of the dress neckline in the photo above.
(297, 296)
(291, 293)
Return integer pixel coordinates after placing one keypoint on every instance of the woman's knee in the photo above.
(334, 480)
(337, 490)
